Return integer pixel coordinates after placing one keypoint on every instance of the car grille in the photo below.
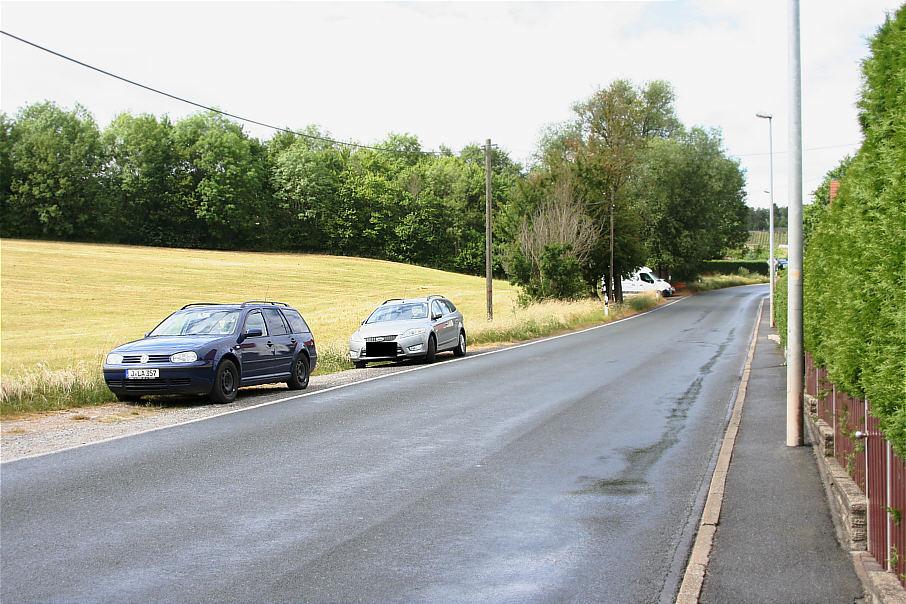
(148, 384)
(152, 358)
(381, 339)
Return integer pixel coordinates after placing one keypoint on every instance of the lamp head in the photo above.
(766, 116)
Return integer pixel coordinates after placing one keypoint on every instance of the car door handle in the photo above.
(269, 343)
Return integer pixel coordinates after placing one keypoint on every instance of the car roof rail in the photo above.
(251, 302)
(202, 304)
(434, 296)
(392, 300)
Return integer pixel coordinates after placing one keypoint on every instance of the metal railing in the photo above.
(862, 449)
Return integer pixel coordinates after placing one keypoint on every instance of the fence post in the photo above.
(868, 531)
(834, 399)
(889, 501)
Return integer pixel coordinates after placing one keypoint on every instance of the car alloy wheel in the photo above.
(460, 349)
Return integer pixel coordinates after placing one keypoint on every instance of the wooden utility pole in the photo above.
(612, 281)
(489, 267)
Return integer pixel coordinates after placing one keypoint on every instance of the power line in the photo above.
(809, 149)
(215, 110)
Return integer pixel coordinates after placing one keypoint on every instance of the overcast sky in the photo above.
(456, 73)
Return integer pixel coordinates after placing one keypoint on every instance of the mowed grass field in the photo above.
(69, 303)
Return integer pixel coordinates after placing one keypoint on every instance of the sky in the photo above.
(457, 73)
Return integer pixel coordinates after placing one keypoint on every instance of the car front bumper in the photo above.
(409, 347)
(183, 379)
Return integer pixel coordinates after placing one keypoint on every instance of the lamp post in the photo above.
(770, 119)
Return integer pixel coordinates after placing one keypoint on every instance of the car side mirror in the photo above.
(436, 316)
(252, 333)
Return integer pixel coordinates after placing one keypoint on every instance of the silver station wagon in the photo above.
(409, 328)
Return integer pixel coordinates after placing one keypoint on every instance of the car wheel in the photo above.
(226, 383)
(299, 379)
(432, 349)
(460, 350)
(360, 364)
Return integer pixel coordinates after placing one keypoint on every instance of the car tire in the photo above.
(360, 364)
(226, 383)
(300, 376)
(432, 349)
(460, 350)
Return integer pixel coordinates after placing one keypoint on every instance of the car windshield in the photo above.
(399, 312)
(196, 322)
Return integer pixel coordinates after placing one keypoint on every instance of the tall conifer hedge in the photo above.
(854, 277)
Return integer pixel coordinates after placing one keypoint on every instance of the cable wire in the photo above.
(215, 110)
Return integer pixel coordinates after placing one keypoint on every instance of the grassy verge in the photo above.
(77, 301)
(40, 389)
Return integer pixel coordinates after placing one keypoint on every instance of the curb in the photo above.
(691, 587)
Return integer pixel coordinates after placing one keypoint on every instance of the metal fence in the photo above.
(872, 464)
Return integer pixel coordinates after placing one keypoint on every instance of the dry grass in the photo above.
(73, 302)
(64, 305)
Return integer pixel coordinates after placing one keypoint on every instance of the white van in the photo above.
(643, 280)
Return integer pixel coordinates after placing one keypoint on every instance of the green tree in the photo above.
(141, 171)
(54, 167)
(690, 197)
(615, 125)
(306, 177)
(6, 174)
(222, 176)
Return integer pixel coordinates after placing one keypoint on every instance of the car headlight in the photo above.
(114, 359)
(184, 357)
(413, 332)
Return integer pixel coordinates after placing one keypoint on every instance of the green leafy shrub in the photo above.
(732, 267)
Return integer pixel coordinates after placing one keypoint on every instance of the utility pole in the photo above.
(795, 365)
(613, 283)
(489, 267)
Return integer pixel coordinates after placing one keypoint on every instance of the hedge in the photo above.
(731, 267)
(854, 268)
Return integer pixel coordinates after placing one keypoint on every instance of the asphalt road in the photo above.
(568, 469)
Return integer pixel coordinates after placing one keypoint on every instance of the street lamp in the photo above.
(770, 119)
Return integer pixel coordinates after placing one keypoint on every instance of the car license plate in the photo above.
(142, 374)
(380, 349)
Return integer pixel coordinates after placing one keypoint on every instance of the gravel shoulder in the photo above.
(38, 434)
(42, 433)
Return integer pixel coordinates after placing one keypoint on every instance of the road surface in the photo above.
(567, 469)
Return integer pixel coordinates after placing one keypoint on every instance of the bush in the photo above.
(732, 267)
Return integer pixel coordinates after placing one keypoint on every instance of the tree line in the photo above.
(760, 218)
(669, 195)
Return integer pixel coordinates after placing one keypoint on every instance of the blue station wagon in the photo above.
(212, 350)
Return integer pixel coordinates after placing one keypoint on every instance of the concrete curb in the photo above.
(691, 587)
